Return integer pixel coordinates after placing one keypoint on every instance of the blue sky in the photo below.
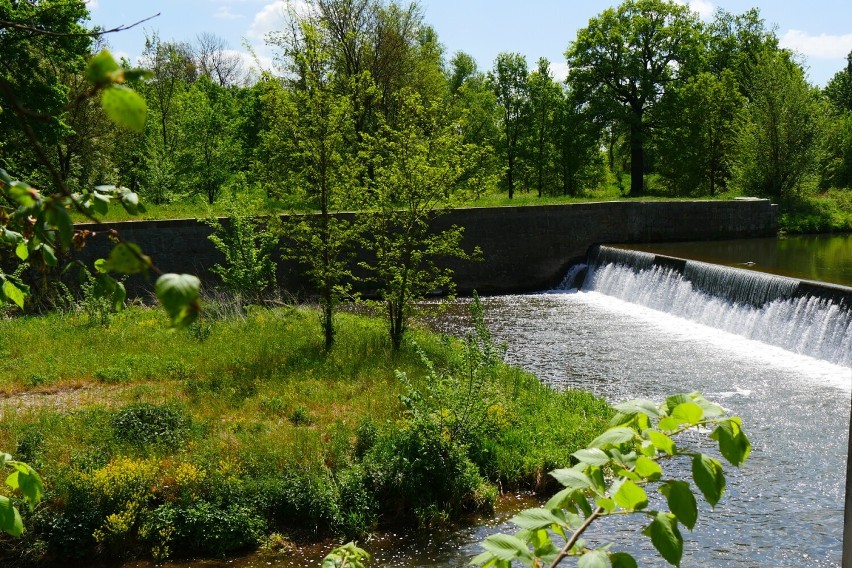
(819, 30)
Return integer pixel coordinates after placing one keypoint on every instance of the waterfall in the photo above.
(780, 311)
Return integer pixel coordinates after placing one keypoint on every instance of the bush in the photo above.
(416, 472)
(145, 424)
(201, 527)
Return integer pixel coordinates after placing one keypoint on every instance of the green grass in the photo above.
(197, 208)
(156, 443)
(823, 212)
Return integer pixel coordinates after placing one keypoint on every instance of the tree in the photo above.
(837, 167)
(509, 81)
(417, 164)
(462, 67)
(577, 139)
(205, 145)
(544, 99)
(474, 109)
(698, 134)
(778, 144)
(625, 60)
(36, 66)
(172, 68)
(735, 42)
(318, 125)
(215, 61)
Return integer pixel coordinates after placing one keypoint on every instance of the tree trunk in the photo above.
(637, 158)
(510, 175)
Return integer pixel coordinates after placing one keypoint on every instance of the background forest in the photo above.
(657, 103)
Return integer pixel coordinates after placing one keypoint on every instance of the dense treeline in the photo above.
(656, 102)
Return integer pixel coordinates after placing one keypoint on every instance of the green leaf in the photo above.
(119, 296)
(638, 406)
(681, 502)
(606, 504)
(126, 258)
(630, 496)
(711, 409)
(13, 294)
(130, 202)
(507, 547)
(733, 443)
(613, 437)
(592, 456)
(22, 193)
(534, 519)
(179, 293)
(593, 559)
(666, 538)
(648, 468)
(10, 518)
(125, 107)
(48, 255)
(27, 481)
(101, 68)
(571, 478)
(11, 237)
(58, 217)
(688, 413)
(22, 251)
(668, 424)
(100, 203)
(709, 477)
(676, 399)
(661, 441)
(622, 560)
(561, 499)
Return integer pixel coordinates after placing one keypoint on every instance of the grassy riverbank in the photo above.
(155, 443)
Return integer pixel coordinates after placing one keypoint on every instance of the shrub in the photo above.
(416, 472)
(201, 527)
(145, 424)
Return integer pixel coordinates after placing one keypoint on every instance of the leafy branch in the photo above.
(35, 225)
(27, 481)
(612, 477)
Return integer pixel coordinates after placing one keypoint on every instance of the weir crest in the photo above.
(804, 317)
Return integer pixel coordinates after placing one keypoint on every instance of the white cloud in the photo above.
(91, 4)
(705, 8)
(269, 18)
(822, 46)
(559, 71)
(225, 13)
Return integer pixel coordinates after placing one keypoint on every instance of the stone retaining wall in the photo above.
(524, 248)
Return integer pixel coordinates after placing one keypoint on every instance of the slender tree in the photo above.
(418, 163)
(509, 81)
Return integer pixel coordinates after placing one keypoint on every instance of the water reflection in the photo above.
(827, 258)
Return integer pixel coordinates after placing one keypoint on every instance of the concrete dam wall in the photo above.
(523, 248)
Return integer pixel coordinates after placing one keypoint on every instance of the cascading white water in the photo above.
(753, 305)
